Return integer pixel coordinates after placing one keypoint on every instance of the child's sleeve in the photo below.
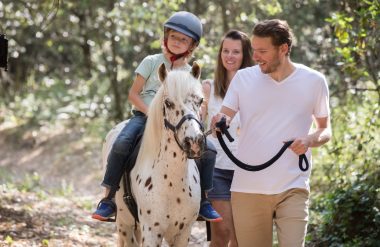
(145, 67)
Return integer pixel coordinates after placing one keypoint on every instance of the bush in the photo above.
(350, 214)
(345, 210)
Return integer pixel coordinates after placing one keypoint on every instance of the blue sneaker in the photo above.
(208, 213)
(105, 211)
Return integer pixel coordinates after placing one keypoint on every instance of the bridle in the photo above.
(175, 128)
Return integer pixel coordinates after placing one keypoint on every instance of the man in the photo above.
(278, 101)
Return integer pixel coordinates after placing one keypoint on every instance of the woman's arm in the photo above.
(206, 92)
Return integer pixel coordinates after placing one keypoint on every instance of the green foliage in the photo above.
(76, 59)
(45, 242)
(84, 203)
(357, 47)
(346, 210)
(355, 144)
(8, 240)
(65, 190)
(350, 213)
(31, 182)
(4, 176)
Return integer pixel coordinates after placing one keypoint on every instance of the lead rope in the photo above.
(223, 130)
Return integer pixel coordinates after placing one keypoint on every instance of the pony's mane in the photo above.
(178, 84)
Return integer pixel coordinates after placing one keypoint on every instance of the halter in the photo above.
(175, 128)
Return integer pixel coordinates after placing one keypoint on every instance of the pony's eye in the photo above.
(169, 104)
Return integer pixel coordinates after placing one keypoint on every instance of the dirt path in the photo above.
(49, 185)
(29, 219)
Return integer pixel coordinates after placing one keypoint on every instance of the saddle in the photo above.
(128, 198)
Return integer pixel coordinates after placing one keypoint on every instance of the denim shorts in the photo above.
(222, 184)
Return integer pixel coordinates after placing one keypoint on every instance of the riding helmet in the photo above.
(186, 23)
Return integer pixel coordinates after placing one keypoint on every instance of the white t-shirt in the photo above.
(213, 107)
(270, 113)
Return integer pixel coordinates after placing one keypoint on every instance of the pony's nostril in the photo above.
(187, 143)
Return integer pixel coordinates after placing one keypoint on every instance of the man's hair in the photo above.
(278, 30)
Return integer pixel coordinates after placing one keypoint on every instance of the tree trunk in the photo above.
(224, 15)
(113, 71)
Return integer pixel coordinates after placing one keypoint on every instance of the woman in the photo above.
(235, 53)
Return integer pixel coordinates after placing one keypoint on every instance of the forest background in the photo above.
(71, 64)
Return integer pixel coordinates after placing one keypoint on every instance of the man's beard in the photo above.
(270, 68)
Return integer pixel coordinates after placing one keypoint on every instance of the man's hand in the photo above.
(216, 119)
(224, 112)
(300, 146)
(320, 136)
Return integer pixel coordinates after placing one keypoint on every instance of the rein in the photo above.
(223, 130)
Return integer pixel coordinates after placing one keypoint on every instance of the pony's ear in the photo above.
(196, 70)
(162, 72)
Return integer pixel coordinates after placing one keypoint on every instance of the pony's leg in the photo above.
(127, 237)
(151, 238)
(128, 234)
(181, 239)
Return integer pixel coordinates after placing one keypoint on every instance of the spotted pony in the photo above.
(165, 180)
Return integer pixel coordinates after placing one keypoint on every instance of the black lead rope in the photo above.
(223, 130)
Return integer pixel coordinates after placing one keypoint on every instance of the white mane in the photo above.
(178, 84)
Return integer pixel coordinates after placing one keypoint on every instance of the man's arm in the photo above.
(320, 136)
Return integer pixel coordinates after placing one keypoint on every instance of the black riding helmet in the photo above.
(186, 23)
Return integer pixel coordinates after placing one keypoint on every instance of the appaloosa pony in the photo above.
(165, 180)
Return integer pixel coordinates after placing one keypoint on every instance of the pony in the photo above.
(165, 180)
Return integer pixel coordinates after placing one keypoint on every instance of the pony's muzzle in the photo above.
(194, 146)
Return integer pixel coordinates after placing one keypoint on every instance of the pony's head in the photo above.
(181, 108)
(177, 107)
